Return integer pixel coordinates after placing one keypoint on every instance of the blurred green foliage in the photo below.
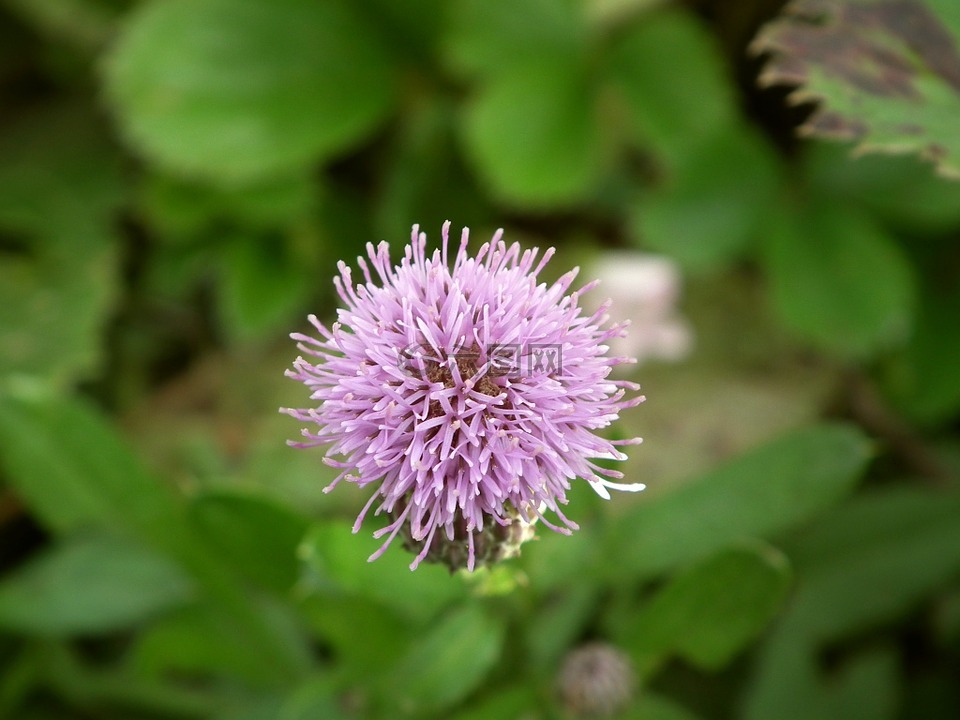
(177, 181)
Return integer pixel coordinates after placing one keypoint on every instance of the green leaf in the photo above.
(711, 611)
(194, 640)
(837, 279)
(900, 190)
(182, 210)
(531, 130)
(887, 74)
(366, 637)
(449, 662)
(427, 181)
(862, 564)
(765, 491)
(316, 698)
(533, 134)
(70, 467)
(790, 686)
(258, 535)
(867, 688)
(235, 91)
(73, 470)
(262, 285)
(656, 707)
(555, 561)
(872, 559)
(514, 702)
(105, 684)
(923, 385)
(645, 64)
(22, 674)
(338, 559)
(710, 204)
(786, 680)
(59, 183)
(90, 585)
(494, 38)
(557, 623)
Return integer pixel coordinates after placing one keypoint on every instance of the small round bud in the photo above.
(596, 681)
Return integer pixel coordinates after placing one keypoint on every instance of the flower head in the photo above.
(468, 395)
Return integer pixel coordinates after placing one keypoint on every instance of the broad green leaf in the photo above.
(235, 90)
(866, 689)
(553, 561)
(559, 621)
(789, 685)
(494, 38)
(366, 638)
(510, 704)
(712, 610)
(90, 585)
(947, 617)
(194, 641)
(448, 662)
(412, 29)
(59, 183)
(860, 565)
(70, 467)
(921, 383)
(258, 535)
(73, 470)
(886, 74)
(646, 64)
(312, 700)
(23, 672)
(338, 560)
(873, 559)
(710, 203)
(181, 210)
(262, 284)
(786, 682)
(898, 189)
(427, 181)
(837, 279)
(764, 491)
(533, 133)
(656, 707)
(107, 683)
(203, 640)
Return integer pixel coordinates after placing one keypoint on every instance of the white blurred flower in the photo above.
(644, 289)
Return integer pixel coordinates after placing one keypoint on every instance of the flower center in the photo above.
(466, 362)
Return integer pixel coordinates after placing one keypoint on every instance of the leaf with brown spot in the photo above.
(885, 73)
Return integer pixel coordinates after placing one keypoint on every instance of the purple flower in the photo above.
(468, 396)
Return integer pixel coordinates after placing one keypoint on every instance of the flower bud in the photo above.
(596, 681)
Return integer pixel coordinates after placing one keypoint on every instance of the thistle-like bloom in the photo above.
(468, 396)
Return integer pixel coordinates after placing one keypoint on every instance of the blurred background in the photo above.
(178, 179)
